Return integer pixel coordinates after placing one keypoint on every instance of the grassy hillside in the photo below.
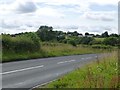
(100, 74)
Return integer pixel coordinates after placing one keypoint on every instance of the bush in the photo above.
(86, 40)
(72, 42)
(113, 41)
(7, 42)
(95, 42)
(22, 43)
(101, 47)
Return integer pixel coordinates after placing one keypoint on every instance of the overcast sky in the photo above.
(94, 16)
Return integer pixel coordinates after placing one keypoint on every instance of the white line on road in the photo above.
(82, 58)
(88, 58)
(21, 70)
(66, 61)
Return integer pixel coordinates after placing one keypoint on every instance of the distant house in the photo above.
(90, 35)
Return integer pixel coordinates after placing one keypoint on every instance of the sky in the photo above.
(93, 16)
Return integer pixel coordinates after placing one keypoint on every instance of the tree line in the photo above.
(30, 41)
(46, 33)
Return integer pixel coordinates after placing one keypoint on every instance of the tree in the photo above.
(114, 35)
(86, 33)
(75, 33)
(97, 35)
(105, 34)
(46, 33)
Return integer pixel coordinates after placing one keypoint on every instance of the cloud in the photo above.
(97, 29)
(28, 15)
(67, 27)
(103, 16)
(98, 7)
(18, 6)
(26, 7)
(8, 25)
(105, 2)
(47, 11)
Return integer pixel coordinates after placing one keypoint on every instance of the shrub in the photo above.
(72, 42)
(110, 41)
(86, 40)
(95, 42)
(22, 43)
(101, 46)
(7, 42)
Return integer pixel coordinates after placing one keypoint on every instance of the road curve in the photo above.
(27, 74)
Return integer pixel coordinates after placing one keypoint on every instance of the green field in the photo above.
(100, 74)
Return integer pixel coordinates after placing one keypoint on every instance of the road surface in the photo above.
(28, 74)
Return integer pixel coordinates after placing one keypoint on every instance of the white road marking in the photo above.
(88, 58)
(66, 61)
(96, 56)
(21, 70)
(82, 58)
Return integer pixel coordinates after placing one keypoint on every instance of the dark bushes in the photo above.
(86, 40)
(22, 43)
(113, 41)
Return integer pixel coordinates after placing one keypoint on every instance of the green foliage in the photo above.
(105, 34)
(94, 42)
(86, 40)
(29, 42)
(102, 46)
(72, 42)
(119, 42)
(22, 43)
(113, 41)
(49, 49)
(46, 33)
(7, 42)
(114, 35)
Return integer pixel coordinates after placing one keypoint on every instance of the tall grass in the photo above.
(58, 49)
(50, 50)
(100, 74)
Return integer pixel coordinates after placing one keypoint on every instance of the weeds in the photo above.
(49, 50)
(100, 74)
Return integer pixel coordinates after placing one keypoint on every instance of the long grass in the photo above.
(49, 50)
(59, 49)
(100, 74)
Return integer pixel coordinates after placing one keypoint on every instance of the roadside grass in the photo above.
(103, 73)
(50, 50)
(60, 49)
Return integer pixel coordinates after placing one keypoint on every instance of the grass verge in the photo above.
(100, 74)
(51, 50)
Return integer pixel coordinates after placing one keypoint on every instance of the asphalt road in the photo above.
(28, 74)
